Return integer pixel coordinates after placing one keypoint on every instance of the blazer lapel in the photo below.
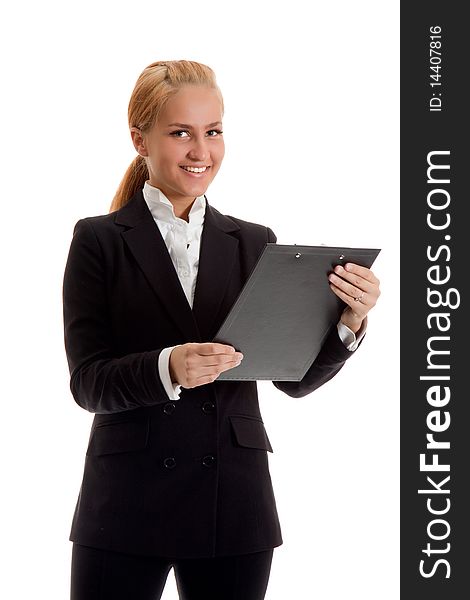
(217, 257)
(149, 250)
(216, 260)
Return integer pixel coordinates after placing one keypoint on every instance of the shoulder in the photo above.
(96, 225)
(95, 236)
(248, 228)
(255, 229)
(130, 213)
(247, 225)
(98, 222)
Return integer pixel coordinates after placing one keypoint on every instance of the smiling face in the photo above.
(184, 148)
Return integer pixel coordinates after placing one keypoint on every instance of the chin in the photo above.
(196, 191)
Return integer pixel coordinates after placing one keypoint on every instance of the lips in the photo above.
(195, 173)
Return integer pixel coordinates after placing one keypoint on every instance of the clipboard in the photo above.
(286, 310)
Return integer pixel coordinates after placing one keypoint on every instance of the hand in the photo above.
(359, 288)
(196, 364)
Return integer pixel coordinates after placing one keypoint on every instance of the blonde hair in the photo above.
(155, 85)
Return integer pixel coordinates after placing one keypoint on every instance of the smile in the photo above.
(195, 169)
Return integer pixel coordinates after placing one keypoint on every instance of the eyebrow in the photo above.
(190, 126)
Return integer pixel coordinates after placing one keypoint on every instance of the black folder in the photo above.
(285, 310)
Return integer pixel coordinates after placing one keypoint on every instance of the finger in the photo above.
(210, 348)
(211, 375)
(215, 371)
(348, 288)
(217, 361)
(355, 279)
(195, 361)
(360, 309)
(364, 272)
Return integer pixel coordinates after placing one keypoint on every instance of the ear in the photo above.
(138, 141)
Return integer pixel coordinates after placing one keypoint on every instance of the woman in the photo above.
(176, 471)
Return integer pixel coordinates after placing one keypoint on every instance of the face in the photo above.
(188, 134)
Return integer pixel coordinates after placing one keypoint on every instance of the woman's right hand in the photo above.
(195, 364)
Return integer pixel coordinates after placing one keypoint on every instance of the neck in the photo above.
(181, 205)
(182, 209)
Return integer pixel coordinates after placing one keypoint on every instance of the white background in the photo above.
(311, 132)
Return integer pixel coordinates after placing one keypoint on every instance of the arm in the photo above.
(339, 345)
(329, 361)
(100, 382)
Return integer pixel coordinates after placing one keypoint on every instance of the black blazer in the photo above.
(185, 478)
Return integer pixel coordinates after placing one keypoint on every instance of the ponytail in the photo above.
(133, 180)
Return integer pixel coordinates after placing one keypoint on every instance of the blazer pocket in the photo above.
(249, 432)
(123, 436)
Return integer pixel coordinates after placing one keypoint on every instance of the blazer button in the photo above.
(169, 407)
(169, 462)
(208, 461)
(208, 407)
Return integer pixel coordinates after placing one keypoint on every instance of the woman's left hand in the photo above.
(359, 288)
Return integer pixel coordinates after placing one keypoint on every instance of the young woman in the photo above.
(176, 470)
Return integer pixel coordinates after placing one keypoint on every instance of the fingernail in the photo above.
(338, 269)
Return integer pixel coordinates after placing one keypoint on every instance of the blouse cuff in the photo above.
(350, 339)
(172, 389)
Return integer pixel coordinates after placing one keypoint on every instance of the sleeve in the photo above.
(100, 381)
(326, 365)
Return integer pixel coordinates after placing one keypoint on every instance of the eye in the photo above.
(176, 133)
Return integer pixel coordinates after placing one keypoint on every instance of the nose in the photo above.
(198, 150)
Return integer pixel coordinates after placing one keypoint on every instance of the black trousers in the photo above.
(105, 575)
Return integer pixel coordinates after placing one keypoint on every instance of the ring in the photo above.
(359, 298)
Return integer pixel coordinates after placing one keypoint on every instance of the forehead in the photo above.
(192, 104)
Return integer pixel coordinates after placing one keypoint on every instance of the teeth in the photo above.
(195, 169)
